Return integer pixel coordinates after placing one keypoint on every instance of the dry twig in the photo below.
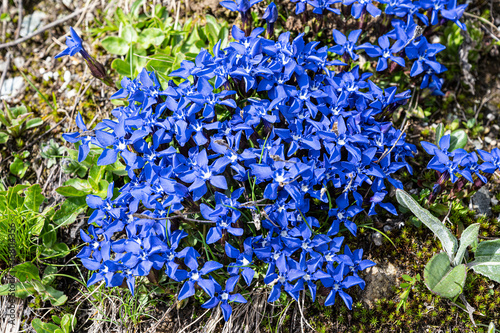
(39, 31)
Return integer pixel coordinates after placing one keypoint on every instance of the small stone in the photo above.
(494, 143)
(67, 76)
(11, 88)
(477, 144)
(19, 62)
(379, 283)
(488, 139)
(32, 22)
(377, 238)
(490, 116)
(481, 202)
(496, 127)
(387, 228)
(70, 94)
(435, 39)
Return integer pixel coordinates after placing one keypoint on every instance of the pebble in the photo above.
(494, 143)
(32, 22)
(11, 88)
(19, 62)
(481, 202)
(67, 76)
(477, 144)
(70, 94)
(496, 127)
(435, 39)
(488, 140)
(377, 238)
(490, 116)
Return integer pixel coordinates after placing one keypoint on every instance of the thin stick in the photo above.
(39, 31)
(302, 315)
(4, 74)
(394, 145)
(5, 8)
(19, 18)
(194, 322)
(483, 20)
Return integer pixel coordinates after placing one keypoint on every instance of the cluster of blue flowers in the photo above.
(259, 139)
(459, 164)
(406, 34)
(290, 131)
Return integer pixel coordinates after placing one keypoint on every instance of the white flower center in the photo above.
(206, 174)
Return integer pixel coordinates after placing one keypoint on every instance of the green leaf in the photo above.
(151, 36)
(37, 227)
(129, 34)
(469, 236)
(75, 188)
(4, 137)
(443, 279)
(458, 139)
(26, 271)
(39, 286)
(56, 319)
(60, 249)
(20, 289)
(224, 37)
(488, 251)
(56, 297)
(19, 167)
(96, 173)
(115, 45)
(487, 259)
(49, 237)
(448, 240)
(35, 122)
(491, 327)
(69, 211)
(490, 269)
(122, 67)
(439, 133)
(41, 327)
(68, 323)
(13, 198)
(34, 198)
(161, 63)
(48, 275)
(136, 7)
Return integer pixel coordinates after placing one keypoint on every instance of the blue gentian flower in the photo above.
(74, 44)
(194, 276)
(224, 296)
